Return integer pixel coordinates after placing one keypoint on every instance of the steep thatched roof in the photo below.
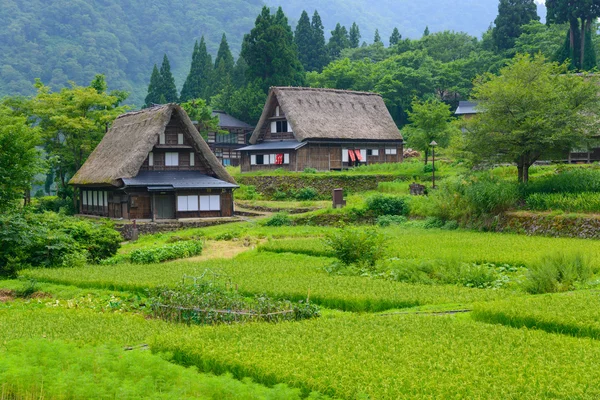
(330, 114)
(126, 145)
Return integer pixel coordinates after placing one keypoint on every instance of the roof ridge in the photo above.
(309, 89)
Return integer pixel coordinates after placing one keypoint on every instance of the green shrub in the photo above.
(167, 252)
(434, 222)
(575, 180)
(310, 171)
(307, 193)
(558, 272)
(53, 203)
(387, 220)
(361, 246)
(279, 219)
(380, 204)
(53, 240)
(247, 192)
(279, 195)
(450, 225)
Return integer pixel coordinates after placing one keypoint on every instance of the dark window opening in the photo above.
(260, 159)
(282, 126)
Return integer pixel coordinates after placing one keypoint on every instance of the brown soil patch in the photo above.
(223, 249)
(6, 295)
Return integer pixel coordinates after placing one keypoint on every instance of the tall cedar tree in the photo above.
(426, 33)
(338, 41)
(270, 52)
(168, 90)
(224, 65)
(303, 37)
(153, 96)
(197, 83)
(354, 36)
(238, 78)
(320, 57)
(377, 38)
(580, 15)
(512, 15)
(395, 38)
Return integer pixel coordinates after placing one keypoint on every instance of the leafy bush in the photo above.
(279, 195)
(167, 252)
(380, 204)
(279, 219)
(558, 272)
(359, 246)
(53, 240)
(434, 222)
(307, 193)
(310, 170)
(247, 192)
(53, 203)
(387, 220)
(450, 225)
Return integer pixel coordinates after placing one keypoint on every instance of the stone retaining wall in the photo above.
(144, 228)
(546, 224)
(323, 184)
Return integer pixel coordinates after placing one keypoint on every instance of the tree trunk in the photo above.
(582, 40)
(573, 25)
(520, 171)
(526, 172)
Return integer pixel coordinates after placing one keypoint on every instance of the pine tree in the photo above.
(426, 33)
(320, 56)
(238, 78)
(167, 87)
(338, 41)
(303, 37)
(270, 52)
(354, 36)
(377, 38)
(197, 84)
(224, 65)
(512, 15)
(153, 96)
(191, 84)
(395, 38)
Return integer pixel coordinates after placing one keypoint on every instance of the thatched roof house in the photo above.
(323, 129)
(149, 164)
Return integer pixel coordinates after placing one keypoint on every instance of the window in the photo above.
(282, 126)
(180, 138)
(151, 159)
(277, 111)
(192, 159)
(344, 155)
(210, 203)
(372, 152)
(260, 159)
(94, 198)
(226, 162)
(84, 198)
(187, 203)
(363, 155)
(171, 159)
(105, 199)
(161, 138)
(286, 158)
(393, 151)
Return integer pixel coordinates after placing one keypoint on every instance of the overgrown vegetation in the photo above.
(52, 240)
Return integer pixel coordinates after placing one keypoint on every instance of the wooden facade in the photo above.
(225, 146)
(176, 179)
(323, 129)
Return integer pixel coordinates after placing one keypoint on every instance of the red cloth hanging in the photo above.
(279, 159)
(358, 155)
(351, 155)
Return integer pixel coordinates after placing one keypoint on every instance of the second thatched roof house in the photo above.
(324, 129)
(153, 164)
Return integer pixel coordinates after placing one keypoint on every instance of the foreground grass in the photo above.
(390, 357)
(38, 368)
(574, 313)
(289, 276)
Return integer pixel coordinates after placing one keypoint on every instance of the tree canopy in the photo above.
(512, 15)
(532, 108)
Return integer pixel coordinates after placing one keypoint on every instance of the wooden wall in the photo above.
(325, 156)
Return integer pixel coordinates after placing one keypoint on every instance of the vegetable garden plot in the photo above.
(573, 313)
(283, 276)
(395, 357)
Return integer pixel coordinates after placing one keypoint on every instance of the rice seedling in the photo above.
(575, 313)
(391, 357)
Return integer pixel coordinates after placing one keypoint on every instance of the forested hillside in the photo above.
(409, 16)
(73, 40)
(65, 40)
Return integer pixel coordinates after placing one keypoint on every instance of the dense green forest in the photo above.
(73, 40)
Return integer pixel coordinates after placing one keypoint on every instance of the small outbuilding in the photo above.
(226, 145)
(324, 129)
(153, 164)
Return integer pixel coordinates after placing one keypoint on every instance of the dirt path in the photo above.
(223, 249)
